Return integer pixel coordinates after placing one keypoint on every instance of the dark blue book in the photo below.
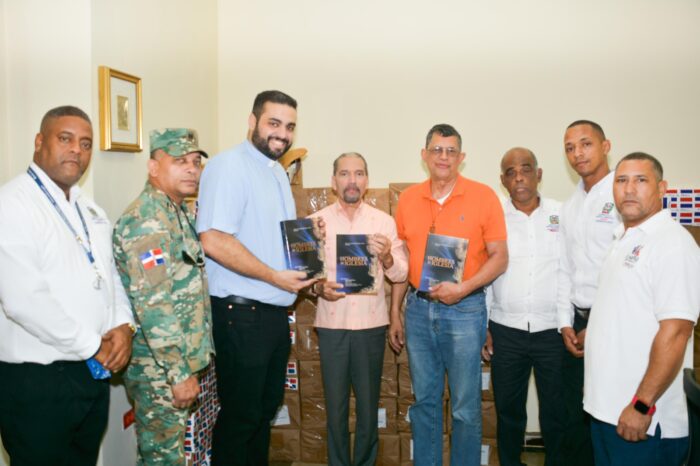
(303, 247)
(443, 261)
(356, 268)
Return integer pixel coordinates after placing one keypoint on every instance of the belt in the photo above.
(233, 299)
(426, 296)
(582, 312)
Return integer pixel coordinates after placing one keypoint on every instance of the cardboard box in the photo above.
(310, 381)
(403, 419)
(307, 343)
(390, 383)
(313, 446)
(315, 200)
(404, 382)
(291, 383)
(389, 451)
(378, 198)
(285, 445)
(489, 452)
(488, 419)
(305, 309)
(289, 413)
(313, 413)
(486, 385)
(395, 190)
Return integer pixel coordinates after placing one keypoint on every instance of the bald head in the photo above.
(520, 153)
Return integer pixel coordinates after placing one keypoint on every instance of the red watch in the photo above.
(642, 407)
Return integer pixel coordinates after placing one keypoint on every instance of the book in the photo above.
(443, 261)
(356, 269)
(303, 247)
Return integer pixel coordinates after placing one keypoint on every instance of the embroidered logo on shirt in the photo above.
(553, 223)
(632, 258)
(606, 215)
(152, 258)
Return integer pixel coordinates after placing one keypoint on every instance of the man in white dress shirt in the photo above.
(639, 332)
(523, 313)
(61, 303)
(588, 219)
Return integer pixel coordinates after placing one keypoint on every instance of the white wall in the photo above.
(374, 76)
(172, 46)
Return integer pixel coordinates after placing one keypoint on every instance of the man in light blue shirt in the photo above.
(243, 197)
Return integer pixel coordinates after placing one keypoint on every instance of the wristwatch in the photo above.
(133, 328)
(642, 407)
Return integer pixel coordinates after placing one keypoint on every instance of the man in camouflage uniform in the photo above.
(161, 264)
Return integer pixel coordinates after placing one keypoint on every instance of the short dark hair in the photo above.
(62, 111)
(445, 131)
(596, 127)
(349, 154)
(276, 97)
(655, 164)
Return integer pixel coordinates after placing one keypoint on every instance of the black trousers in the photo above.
(352, 357)
(252, 349)
(578, 448)
(52, 414)
(515, 354)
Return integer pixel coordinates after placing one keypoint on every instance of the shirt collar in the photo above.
(604, 183)
(159, 195)
(458, 190)
(259, 156)
(73, 193)
(649, 226)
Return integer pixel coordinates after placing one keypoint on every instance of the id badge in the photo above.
(97, 370)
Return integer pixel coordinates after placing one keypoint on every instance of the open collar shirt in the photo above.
(356, 312)
(525, 296)
(50, 309)
(588, 220)
(650, 274)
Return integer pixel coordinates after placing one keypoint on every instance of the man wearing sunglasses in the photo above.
(161, 264)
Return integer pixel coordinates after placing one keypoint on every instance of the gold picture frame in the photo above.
(121, 124)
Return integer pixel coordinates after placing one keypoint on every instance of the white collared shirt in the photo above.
(525, 296)
(50, 309)
(587, 224)
(650, 274)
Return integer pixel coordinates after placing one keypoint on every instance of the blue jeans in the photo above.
(609, 449)
(446, 338)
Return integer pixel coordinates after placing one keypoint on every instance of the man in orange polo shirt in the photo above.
(446, 327)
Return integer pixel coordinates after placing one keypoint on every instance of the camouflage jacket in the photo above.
(161, 264)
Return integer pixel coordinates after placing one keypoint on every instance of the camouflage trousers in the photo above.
(160, 427)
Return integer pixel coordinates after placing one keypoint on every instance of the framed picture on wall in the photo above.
(120, 111)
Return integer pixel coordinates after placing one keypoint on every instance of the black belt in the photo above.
(425, 295)
(233, 299)
(582, 312)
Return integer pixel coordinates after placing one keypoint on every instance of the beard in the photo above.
(352, 197)
(263, 145)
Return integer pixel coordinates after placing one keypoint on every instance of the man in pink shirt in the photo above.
(352, 327)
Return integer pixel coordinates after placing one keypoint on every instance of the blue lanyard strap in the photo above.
(87, 249)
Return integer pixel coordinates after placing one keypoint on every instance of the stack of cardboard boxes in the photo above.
(299, 430)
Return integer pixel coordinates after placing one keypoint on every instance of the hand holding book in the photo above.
(380, 246)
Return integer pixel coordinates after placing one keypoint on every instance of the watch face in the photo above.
(641, 407)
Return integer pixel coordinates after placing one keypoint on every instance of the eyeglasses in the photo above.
(452, 152)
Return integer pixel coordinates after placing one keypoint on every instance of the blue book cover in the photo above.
(303, 247)
(356, 268)
(443, 261)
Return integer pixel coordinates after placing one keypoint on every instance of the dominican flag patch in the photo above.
(152, 258)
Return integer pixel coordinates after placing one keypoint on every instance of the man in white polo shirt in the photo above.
(639, 334)
(523, 313)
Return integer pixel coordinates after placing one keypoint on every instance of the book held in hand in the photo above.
(443, 261)
(356, 268)
(303, 246)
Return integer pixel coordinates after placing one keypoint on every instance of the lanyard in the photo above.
(86, 248)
